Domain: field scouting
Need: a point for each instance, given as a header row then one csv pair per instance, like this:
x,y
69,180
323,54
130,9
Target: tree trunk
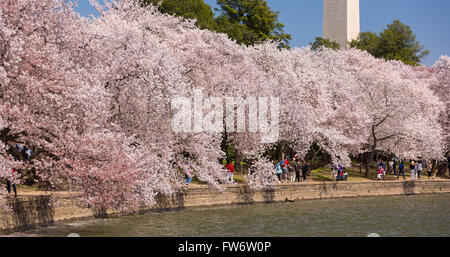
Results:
x,y
442,168
315,153
361,161
369,161
237,164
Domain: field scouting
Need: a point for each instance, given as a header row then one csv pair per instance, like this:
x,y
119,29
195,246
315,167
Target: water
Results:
x,y
415,215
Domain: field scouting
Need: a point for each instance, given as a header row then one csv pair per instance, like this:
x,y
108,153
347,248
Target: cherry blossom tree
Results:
x,y
6,162
402,110
441,87
51,100
439,76
93,97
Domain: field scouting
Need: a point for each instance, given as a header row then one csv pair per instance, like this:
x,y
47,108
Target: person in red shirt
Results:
x,y
11,181
230,171
188,175
285,166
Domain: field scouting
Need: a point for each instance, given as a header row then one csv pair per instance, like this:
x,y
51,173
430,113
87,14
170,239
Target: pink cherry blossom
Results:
x,y
92,97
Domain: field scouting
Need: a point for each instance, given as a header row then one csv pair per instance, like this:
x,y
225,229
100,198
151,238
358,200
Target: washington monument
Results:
x,y
341,21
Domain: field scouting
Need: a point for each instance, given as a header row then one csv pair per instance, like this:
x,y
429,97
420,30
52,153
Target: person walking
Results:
x,y
412,169
278,170
394,166
188,175
418,169
230,171
429,169
298,170
401,170
11,182
304,170
284,167
292,171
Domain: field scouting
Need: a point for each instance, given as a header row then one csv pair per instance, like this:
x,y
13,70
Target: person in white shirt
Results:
x,y
418,169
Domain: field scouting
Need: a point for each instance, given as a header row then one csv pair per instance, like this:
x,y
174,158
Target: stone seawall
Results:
x,y
44,210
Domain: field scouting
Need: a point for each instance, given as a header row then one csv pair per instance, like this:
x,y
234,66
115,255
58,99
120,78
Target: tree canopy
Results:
x,y
105,104
324,42
248,22
189,9
256,20
396,42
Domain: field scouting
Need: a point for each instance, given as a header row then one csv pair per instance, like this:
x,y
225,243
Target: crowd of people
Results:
x,y
287,170
24,153
291,170
415,167
338,172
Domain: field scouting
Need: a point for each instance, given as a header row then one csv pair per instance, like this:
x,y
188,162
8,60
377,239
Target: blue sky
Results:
x,y
429,19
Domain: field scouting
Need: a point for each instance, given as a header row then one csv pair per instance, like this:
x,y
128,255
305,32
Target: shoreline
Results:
x,y
61,207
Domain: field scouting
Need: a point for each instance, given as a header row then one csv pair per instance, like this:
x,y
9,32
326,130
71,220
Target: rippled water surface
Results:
x,y
415,215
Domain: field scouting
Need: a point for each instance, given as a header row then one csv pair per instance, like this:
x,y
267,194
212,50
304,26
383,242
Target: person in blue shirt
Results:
x,y
394,166
278,170
401,170
188,175
382,164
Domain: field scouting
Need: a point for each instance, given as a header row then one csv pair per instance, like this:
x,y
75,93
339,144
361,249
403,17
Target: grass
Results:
x,y
238,178
324,174
319,174
26,188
